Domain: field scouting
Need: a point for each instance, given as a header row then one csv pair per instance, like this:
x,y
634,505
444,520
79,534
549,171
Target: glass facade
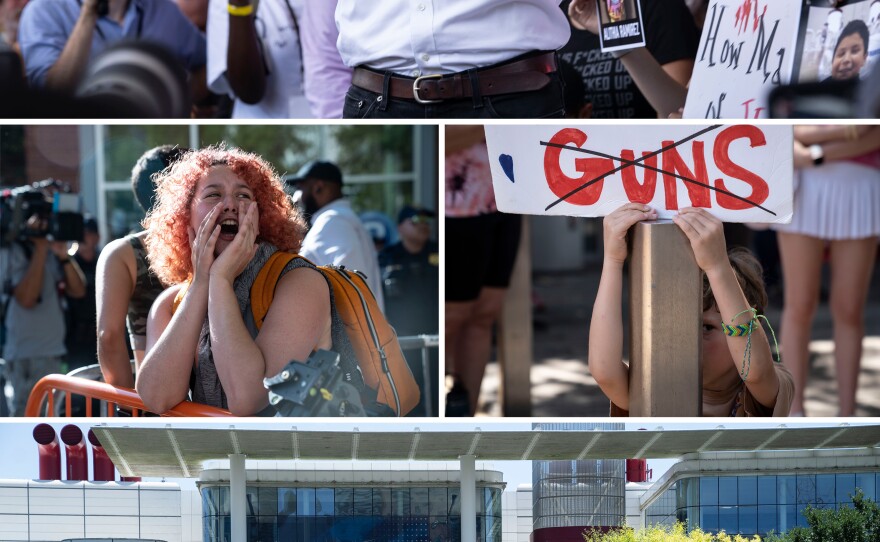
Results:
x,y
578,493
751,505
351,514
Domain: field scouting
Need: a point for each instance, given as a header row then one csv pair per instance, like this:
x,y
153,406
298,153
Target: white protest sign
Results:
x,y
739,173
745,51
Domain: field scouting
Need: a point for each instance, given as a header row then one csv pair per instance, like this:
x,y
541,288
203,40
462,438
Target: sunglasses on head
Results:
x,y
420,219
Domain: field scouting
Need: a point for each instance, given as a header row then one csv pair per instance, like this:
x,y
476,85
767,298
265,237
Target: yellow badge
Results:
x,y
434,259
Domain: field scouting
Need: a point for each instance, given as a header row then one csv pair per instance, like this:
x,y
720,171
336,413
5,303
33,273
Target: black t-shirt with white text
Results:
x,y
670,35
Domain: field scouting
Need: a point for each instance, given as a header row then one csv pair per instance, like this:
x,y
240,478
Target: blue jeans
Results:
x,y
23,374
546,102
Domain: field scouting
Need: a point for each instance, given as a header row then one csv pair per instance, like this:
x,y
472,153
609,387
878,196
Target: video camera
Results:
x,y
129,79
46,208
317,388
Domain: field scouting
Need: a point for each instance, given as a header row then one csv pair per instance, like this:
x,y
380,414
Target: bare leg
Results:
x,y
470,341
801,257
457,313
851,265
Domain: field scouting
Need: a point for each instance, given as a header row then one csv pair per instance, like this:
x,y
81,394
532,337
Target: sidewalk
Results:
x,y
562,385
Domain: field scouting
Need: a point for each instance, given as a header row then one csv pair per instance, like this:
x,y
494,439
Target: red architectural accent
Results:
x,y
49,450
565,534
77,463
636,470
102,467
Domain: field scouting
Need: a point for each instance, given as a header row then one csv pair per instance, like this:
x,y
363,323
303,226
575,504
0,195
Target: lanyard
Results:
x,y
259,22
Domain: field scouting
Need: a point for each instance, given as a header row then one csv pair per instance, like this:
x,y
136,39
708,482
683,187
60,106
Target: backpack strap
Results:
x,y
263,288
178,299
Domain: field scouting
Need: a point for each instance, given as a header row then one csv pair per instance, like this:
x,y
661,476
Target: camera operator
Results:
x,y
58,38
33,268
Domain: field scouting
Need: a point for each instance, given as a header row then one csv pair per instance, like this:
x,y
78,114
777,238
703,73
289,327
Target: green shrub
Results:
x,y
676,533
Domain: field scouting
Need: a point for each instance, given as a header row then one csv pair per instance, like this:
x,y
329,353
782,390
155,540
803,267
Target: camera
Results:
x,y
316,387
313,388
129,79
46,208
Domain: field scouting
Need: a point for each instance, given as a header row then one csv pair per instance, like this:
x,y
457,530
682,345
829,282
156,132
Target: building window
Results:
x,y
349,513
751,505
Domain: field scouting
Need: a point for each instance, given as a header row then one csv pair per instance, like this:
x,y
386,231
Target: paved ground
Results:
x,y
562,385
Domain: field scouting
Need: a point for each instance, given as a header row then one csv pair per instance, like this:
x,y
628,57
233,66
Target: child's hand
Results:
x,y
706,234
618,223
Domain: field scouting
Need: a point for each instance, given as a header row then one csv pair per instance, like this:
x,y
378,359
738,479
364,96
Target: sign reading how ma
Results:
x,y
739,173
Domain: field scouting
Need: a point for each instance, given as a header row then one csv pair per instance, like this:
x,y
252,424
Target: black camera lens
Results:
x,y
137,79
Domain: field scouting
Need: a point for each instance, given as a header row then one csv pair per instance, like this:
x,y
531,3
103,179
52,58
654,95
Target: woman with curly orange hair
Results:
x,y
220,214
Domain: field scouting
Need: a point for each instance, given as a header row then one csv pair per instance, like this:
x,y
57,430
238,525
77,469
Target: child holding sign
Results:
x,y
740,377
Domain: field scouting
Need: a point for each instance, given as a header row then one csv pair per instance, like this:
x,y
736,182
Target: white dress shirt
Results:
x,y
338,237
421,37
284,96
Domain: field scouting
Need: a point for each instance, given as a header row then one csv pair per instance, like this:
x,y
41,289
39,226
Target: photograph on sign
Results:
x,y
837,41
620,25
744,52
739,173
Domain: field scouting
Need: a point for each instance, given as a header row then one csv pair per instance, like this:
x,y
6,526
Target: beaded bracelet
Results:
x,y
745,330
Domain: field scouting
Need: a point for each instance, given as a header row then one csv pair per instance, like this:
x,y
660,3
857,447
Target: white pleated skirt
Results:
x,y
836,201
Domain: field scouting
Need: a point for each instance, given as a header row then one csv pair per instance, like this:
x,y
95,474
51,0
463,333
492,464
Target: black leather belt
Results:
x,y
524,75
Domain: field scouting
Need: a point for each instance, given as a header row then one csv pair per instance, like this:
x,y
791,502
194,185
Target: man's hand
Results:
x,y
59,249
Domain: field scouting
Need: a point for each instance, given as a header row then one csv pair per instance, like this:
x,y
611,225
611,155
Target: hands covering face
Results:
x,y
233,256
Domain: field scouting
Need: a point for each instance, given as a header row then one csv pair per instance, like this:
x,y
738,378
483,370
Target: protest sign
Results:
x,y
745,51
837,41
739,173
620,25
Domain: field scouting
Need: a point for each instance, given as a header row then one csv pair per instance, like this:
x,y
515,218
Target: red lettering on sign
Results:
x,y
639,192
674,169
560,183
760,189
674,163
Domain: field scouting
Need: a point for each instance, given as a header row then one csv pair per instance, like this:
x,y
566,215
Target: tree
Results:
x,y
859,523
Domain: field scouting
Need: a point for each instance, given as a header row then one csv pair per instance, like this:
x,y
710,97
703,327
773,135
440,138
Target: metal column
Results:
x,y
665,376
468,498
237,498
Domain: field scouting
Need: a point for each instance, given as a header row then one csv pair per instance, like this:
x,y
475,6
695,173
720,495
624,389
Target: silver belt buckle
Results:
x,y
416,89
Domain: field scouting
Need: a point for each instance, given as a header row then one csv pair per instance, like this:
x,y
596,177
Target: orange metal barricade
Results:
x,y
44,393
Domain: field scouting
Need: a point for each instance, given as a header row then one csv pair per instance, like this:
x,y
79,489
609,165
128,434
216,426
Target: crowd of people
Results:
x,y
342,58
214,217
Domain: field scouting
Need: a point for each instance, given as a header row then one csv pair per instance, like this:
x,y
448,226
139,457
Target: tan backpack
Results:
x,y
374,341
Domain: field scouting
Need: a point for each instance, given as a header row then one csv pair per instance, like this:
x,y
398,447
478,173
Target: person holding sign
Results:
x,y
740,377
661,71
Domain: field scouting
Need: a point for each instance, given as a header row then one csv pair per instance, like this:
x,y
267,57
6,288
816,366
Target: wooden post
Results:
x,y
515,350
665,375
